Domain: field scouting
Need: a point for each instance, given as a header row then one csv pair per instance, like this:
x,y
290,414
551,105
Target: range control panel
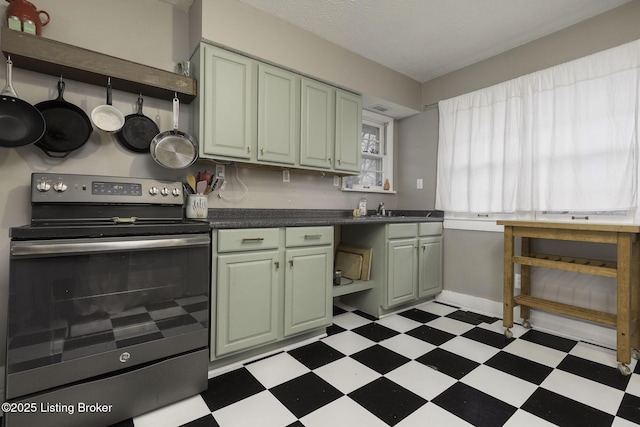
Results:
x,y
72,188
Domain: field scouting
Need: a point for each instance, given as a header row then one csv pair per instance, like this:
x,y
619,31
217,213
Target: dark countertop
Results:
x,y
255,218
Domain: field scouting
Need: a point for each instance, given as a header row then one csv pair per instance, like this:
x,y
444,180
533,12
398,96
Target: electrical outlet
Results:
x,y
419,184
219,171
336,181
285,176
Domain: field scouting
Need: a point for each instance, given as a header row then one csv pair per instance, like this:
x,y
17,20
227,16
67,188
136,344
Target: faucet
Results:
x,y
381,209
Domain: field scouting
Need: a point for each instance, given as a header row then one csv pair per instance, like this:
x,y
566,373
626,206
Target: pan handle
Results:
x,y
109,91
176,111
140,104
60,90
8,88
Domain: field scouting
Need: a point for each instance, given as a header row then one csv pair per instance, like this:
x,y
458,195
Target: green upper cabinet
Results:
x,y
227,91
278,115
348,132
318,124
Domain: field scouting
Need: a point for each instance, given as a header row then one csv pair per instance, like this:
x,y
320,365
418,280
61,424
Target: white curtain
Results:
x,y
564,138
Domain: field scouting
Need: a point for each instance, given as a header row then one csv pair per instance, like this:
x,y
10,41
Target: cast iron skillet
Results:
x,y
21,123
68,127
138,131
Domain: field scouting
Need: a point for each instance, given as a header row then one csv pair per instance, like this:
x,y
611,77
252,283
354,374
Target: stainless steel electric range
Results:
x,y
108,302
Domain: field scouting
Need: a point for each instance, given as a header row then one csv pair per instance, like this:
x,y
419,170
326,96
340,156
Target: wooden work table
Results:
x,y
625,270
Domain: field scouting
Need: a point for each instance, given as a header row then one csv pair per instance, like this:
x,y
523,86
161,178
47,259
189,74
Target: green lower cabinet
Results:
x,y
307,289
402,270
430,266
247,306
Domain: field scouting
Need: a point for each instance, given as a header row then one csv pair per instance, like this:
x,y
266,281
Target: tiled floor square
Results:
x,y
398,323
469,317
562,411
276,369
334,329
230,387
548,340
419,315
452,326
375,332
348,342
536,352
448,363
437,307
407,346
422,380
175,414
470,349
431,335
431,414
343,412
591,393
305,394
346,374
206,421
380,359
350,320
594,371
519,367
316,354
474,406
387,400
262,409
485,336
501,385
630,408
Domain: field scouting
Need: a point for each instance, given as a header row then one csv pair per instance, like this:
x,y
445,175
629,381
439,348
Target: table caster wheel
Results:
x,y
635,353
624,369
508,333
526,324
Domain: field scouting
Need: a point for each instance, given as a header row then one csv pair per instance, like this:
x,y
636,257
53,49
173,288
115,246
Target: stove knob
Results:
x,y
176,192
60,187
164,191
43,186
153,191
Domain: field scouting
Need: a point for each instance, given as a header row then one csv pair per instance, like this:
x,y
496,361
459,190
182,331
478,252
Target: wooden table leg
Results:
x,y
508,278
635,296
525,281
623,318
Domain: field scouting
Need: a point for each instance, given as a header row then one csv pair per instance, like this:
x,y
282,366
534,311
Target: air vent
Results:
x,y
380,108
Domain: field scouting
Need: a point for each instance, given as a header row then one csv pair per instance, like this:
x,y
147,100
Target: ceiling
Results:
x,y
424,39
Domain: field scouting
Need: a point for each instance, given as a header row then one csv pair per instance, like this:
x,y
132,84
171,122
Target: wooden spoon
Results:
x,y
191,180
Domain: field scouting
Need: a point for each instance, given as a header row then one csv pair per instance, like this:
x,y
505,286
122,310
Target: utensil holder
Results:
x,y
197,206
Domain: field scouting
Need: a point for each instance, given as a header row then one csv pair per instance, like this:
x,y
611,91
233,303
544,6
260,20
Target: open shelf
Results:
x,y
356,286
566,309
577,265
47,56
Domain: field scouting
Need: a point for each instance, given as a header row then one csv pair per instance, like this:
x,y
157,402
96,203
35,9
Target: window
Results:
x,y
377,155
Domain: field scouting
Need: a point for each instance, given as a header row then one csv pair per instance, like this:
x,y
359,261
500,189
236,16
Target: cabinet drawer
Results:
x,y
247,239
308,236
429,228
396,231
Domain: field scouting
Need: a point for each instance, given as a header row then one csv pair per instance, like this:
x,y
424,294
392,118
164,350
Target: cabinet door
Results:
x,y
228,119
402,270
348,132
430,266
247,300
317,133
278,94
308,289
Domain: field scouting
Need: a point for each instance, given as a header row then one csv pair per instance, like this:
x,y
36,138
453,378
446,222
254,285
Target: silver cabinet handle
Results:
x,y
312,236
252,239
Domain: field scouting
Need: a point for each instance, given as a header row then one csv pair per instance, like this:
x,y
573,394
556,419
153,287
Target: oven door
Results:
x,y
79,308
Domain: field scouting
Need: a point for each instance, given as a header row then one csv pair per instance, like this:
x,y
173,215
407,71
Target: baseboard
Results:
x,y
548,322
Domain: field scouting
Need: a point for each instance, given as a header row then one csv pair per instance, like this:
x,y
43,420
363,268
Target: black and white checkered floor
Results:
x,y
432,365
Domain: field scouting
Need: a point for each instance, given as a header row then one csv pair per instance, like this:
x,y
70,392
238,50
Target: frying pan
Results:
x,y
174,149
107,117
21,123
68,127
138,131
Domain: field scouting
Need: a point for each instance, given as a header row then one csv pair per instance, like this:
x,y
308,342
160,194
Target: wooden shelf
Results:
x,y
356,286
51,57
577,265
566,309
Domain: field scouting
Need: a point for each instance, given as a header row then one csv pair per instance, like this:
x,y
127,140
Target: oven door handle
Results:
x,y
105,245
